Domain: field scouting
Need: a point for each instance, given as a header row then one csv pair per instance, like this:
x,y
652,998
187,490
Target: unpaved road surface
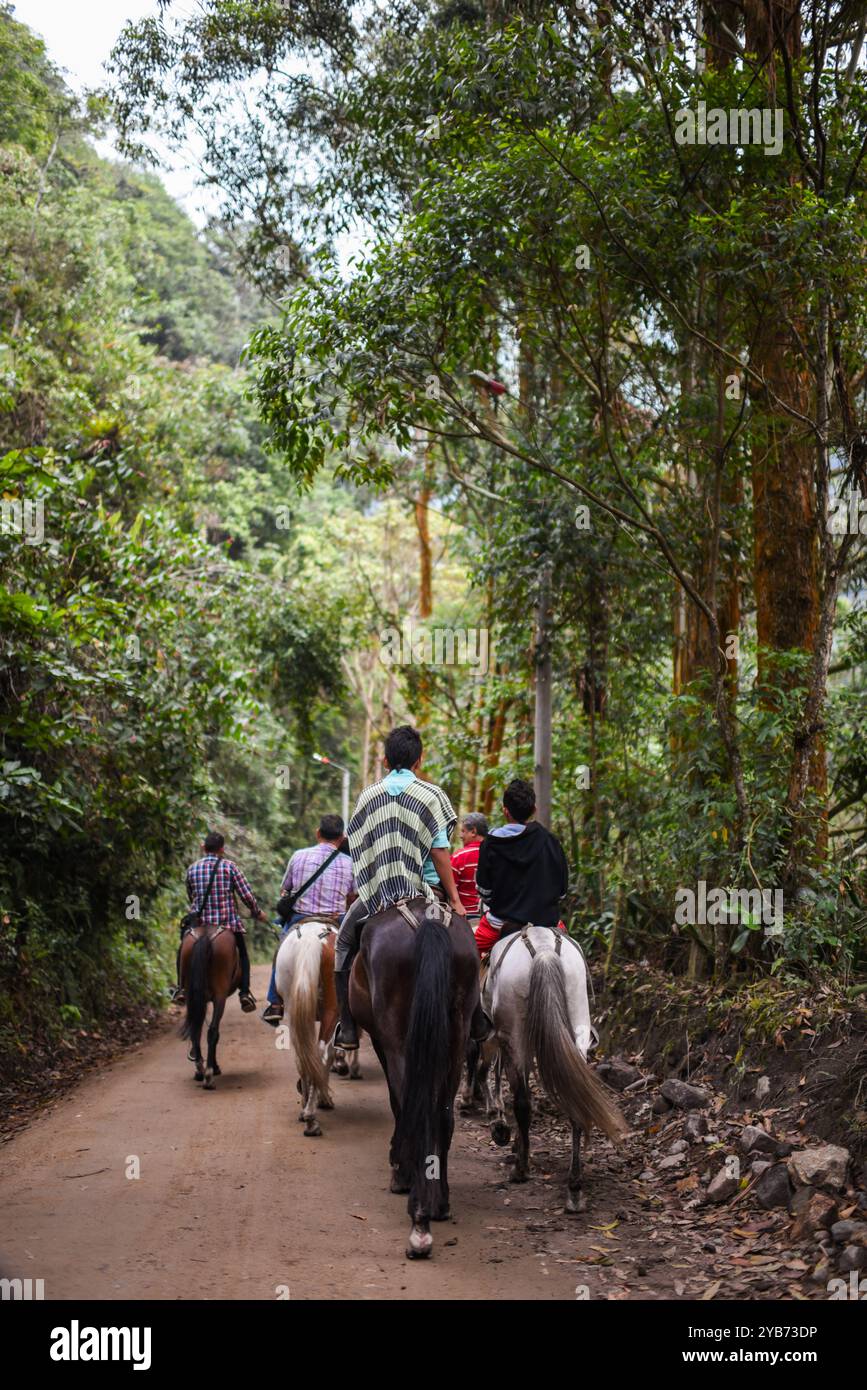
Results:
x,y
232,1202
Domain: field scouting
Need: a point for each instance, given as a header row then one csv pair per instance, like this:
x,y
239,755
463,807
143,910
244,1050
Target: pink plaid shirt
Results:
x,y
328,893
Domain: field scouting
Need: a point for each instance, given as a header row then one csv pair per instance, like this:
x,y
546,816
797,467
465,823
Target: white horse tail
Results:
x,y
564,1073
302,1001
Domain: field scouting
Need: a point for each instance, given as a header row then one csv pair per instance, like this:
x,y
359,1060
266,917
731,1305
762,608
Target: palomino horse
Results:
x,y
414,986
536,994
305,980
210,972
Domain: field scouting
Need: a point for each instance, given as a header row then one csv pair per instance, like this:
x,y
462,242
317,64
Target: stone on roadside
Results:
x,y
721,1187
694,1126
759,1166
660,1105
853,1257
850,1232
683,1095
763,1086
679,1146
673,1161
817,1213
756,1140
773,1188
822,1166
618,1074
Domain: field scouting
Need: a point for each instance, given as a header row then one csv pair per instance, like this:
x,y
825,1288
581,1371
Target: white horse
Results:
x,y
305,980
536,994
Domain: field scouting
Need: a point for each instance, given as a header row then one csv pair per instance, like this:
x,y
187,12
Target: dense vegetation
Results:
x,y
641,509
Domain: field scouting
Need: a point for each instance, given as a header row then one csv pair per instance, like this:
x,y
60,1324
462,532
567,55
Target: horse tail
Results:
x,y
302,1001
428,1051
197,987
565,1075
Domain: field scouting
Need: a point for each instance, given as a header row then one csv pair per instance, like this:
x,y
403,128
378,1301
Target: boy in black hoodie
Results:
x,y
522,872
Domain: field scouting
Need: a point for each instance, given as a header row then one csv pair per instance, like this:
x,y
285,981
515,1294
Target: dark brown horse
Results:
x,y
414,986
210,972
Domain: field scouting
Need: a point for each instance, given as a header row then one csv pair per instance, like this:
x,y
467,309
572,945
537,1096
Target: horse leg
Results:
x,y
576,1202
312,1127
354,1067
441,1207
340,1066
521,1105
400,1180
324,1098
197,1056
468,1092
211,1069
500,1130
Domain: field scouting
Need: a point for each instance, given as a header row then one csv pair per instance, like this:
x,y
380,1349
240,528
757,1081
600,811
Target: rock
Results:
x,y
849,1232
646,1175
755,1140
679,1146
816,1214
694,1126
763,1086
853,1257
660,1105
684,1096
618,1074
822,1273
823,1166
722,1187
759,1166
773,1188
674,1161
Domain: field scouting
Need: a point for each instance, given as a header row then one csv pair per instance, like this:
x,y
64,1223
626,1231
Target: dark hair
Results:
x,y
519,800
403,747
331,827
213,842
475,822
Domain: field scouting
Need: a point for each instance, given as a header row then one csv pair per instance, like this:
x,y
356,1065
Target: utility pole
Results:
x,y
542,727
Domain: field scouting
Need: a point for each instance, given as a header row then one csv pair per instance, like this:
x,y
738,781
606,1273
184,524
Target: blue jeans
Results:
x,y
273,996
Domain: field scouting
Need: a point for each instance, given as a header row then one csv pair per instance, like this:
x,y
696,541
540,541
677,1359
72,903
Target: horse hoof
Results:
x,y
575,1205
420,1245
445,1215
340,1068
199,1076
355,1076
208,1084
217,1070
518,1175
500,1133
313,1131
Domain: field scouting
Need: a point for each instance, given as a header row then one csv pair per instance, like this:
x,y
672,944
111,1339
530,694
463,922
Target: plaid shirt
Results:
x,y
328,893
220,909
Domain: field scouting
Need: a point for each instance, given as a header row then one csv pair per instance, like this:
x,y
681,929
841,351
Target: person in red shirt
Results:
x,y
473,830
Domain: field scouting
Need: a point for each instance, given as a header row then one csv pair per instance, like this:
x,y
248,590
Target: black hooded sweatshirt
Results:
x,y
523,877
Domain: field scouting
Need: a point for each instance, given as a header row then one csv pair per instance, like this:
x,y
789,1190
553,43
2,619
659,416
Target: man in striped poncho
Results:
x,y
399,842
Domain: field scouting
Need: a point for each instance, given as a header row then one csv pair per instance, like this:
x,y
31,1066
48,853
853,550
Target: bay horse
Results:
x,y
305,981
536,994
414,986
210,972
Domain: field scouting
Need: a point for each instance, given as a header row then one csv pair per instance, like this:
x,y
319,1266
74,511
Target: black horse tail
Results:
x,y
197,987
428,1053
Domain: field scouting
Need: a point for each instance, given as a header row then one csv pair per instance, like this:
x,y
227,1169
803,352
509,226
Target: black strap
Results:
x,y
313,877
201,907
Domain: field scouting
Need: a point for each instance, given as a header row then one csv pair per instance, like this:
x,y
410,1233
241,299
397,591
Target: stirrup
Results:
x,y
248,1003
344,1046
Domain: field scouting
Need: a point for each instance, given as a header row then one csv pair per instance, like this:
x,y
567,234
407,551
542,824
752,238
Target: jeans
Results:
x,y
273,996
348,938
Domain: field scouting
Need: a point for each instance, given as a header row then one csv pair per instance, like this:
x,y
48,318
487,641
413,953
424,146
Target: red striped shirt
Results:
x,y
464,864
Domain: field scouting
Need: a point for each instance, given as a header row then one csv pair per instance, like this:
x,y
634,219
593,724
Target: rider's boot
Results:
x,y
346,1036
176,994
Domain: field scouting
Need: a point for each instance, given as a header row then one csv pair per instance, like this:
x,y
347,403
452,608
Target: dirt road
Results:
x,y
233,1202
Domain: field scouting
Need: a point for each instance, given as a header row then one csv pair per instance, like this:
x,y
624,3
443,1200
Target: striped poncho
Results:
x,y
390,837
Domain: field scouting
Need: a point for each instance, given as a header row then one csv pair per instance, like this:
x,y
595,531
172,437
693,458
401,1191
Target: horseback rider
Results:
x,y
319,882
219,909
399,842
474,828
522,872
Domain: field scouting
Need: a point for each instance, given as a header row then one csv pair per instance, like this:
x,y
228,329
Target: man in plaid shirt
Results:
x,y
328,896
220,909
